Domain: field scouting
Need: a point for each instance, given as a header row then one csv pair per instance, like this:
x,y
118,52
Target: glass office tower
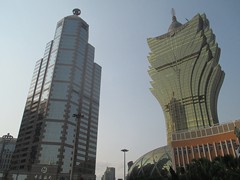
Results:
x,y
186,76
58,134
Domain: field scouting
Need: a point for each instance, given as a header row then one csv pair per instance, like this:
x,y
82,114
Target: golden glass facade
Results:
x,y
186,76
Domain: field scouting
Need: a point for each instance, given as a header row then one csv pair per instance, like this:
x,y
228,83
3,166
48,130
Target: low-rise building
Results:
x,y
218,140
7,147
210,142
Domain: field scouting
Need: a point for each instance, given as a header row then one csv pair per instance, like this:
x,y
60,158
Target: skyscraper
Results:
x,y
58,133
186,76
109,174
186,80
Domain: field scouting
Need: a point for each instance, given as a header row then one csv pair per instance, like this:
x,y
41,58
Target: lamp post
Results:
x,y
77,116
124,156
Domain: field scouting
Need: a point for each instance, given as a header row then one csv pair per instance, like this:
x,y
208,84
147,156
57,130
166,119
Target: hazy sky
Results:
x,y
130,116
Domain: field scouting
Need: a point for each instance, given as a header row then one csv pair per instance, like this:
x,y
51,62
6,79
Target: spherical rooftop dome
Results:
x,y
76,11
174,25
152,164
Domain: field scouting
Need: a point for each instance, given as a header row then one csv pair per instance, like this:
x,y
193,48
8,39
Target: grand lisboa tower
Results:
x,y
186,80
186,76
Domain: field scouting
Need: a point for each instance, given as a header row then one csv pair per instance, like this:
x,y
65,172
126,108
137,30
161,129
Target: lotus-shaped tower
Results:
x,y
186,76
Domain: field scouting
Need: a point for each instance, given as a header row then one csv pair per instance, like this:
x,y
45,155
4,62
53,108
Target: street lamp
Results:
x,y
77,116
124,155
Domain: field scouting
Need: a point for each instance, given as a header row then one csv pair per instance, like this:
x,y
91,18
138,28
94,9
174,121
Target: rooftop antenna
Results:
x,y
173,15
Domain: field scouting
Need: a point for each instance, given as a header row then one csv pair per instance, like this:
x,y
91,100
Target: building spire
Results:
x,y
173,15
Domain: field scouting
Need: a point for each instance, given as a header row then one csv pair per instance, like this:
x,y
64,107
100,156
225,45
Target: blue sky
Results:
x,y
130,117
